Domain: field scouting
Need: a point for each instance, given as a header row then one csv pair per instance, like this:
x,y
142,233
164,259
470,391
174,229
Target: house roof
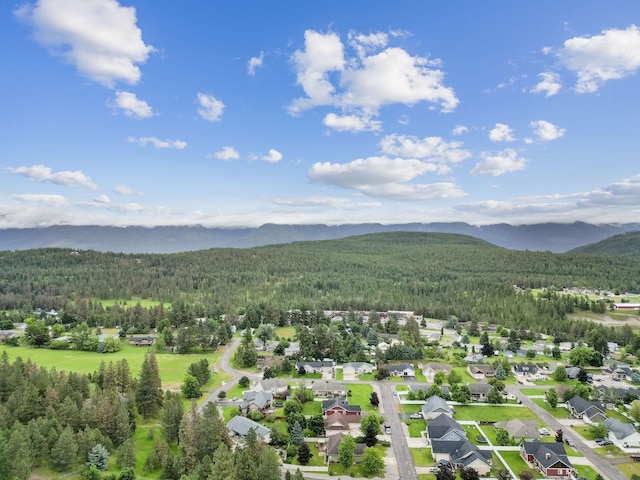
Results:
x,y
316,364
260,399
520,428
586,407
434,404
442,425
482,368
339,402
525,368
461,452
336,421
438,367
241,425
329,387
479,388
272,384
547,454
333,443
399,368
618,429
357,365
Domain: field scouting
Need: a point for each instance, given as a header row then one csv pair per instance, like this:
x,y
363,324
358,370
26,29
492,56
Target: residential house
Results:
x,y
430,369
613,347
240,426
549,458
357,368
474,358
623,435
481,371
479,391
142,340
343,423
526,429
276,386
445,428
626,306
524,370
462,453
339,406
402,370
324,367
572,372
590,411
522,353
329,389
619,373
292,350
331,449
508,354
434,406
256,401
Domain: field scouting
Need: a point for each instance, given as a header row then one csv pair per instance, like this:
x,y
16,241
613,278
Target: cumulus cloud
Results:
x,y
156,142
44,174
255,63
375,76
499,163
210,107
45,199
383,177
131,106
99,37
501,133
227,153
124,190
432,148
549,84
352,123
611,55
459,130
274,156
546,131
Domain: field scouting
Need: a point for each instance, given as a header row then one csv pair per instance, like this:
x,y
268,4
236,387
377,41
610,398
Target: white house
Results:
x,y
357,368
623,435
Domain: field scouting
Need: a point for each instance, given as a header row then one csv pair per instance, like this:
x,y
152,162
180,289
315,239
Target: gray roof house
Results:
x,y
331,449
273,385
623,435
434,406
357,368
549,458
462,453
520,428
256,400
590,411
402,370
240,426
479,391
444,427
329,389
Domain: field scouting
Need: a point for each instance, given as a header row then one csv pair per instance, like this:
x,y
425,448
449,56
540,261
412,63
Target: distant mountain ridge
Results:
x,y
554,237
619,245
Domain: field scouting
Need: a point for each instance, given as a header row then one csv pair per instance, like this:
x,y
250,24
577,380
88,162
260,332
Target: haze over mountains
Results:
x,y
554,237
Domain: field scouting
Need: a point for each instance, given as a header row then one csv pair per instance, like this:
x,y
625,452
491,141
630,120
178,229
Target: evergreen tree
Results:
x,y
222,467
187,439
18,453
304,454
370,437
191,387
98,457
297,434
374,400
63,453
552,397
494,396
172,414
126,454
149,392
210,432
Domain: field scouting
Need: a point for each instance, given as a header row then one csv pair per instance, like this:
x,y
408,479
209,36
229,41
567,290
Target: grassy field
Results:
x,y
312,408
610,451
355,471
586,471
618,416
499,413
416,428
172,367
558,412
144,302
629,468
585,432
472,434
286,332
361,395
422,457
316,460
411,408
466,378
516,462
533,391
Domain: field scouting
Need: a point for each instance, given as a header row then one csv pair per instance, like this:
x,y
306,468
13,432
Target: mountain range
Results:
x,y
553,237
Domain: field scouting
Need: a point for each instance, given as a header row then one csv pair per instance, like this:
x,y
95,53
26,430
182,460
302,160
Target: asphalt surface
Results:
x,y
602,465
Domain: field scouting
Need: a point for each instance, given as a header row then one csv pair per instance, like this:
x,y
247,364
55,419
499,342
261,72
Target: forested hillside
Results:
x,y
433,274
627,244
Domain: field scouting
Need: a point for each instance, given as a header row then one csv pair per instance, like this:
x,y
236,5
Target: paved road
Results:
x,y
224,364
602,465
406,469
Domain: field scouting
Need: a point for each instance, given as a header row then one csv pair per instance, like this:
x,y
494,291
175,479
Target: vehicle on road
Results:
x,y
544,431
569,442
387,430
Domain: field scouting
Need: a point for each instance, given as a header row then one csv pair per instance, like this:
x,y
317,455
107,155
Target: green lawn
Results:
x,y
584,432
312,408
490,433
236,391
361,395
472,434
367,377
422,457
173,367
411,408
316,460
145,303
286,332
629,468
416,428
498,413
466,378
420,376
618,416
516,462
533,391
610,451
339,374
586,471
558,412
355,471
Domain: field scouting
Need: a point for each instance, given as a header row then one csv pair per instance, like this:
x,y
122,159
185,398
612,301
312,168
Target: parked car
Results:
x,y
415,416
569,442
606,443
445,464
387,430
544,431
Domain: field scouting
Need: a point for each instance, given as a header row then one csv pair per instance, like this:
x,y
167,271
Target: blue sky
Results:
x,y
245,113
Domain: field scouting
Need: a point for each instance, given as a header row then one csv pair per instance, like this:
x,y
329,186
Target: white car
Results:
x,y
415,416
544,431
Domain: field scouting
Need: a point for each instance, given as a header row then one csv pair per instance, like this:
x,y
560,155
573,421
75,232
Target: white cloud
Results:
x,y
549,85
501,133
366,81
352,123
612,55
255,63
324,202
433,148
99,37
274,156
499,164
459,130
45,199
227,153
546,131
131,106
44,174
210,107
123,190
384,178
156,142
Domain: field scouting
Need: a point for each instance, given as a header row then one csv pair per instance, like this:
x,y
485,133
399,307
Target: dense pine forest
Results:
x,y
437,275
